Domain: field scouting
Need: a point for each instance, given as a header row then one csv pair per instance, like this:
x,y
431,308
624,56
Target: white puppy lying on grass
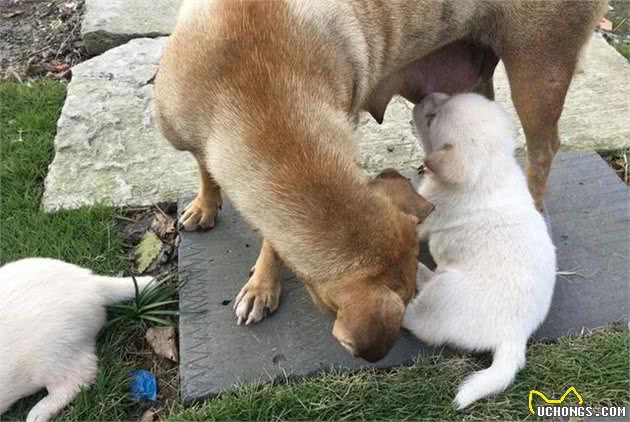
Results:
x,y
50,314
495,260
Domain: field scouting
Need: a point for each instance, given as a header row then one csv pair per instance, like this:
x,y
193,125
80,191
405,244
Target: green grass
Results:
x,y
149,303
623,49
596,365
28,115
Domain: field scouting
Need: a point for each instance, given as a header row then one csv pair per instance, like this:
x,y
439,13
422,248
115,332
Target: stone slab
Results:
x,y
589,208
597,106
110,23
107,148
109,151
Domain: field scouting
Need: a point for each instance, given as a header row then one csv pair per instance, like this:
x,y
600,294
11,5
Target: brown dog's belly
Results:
x,y
454,68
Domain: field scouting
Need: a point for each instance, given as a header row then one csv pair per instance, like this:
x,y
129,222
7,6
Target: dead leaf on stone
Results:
x,y
12,14
147,251
163,342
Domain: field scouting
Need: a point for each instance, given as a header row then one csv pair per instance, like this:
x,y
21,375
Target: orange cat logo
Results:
x,y
552,401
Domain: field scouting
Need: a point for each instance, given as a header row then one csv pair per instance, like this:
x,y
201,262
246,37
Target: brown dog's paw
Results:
x,y
199,214
259,297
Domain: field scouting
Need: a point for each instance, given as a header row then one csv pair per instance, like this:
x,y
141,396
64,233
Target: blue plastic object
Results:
x,y
143,385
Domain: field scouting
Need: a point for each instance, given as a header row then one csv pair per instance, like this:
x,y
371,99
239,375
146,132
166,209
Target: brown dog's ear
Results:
x,y
401,192
368,327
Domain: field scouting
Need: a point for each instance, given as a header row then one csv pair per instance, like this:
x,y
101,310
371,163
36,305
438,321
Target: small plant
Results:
x,y
149,303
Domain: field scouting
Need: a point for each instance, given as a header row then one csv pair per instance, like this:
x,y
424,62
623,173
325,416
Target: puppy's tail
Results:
x,y
118,289
508,359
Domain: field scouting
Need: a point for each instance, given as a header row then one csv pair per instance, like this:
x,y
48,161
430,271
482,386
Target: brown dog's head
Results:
x,y
394,186
369,308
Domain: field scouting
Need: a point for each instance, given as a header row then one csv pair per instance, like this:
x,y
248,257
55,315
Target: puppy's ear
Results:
x,y
401,192
368,325
445,165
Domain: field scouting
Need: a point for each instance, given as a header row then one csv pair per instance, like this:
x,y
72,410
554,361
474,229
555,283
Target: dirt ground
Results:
x,y
619,15
40,38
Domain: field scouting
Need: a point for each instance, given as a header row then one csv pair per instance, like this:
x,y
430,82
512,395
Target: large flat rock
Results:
x,y
109,151
589,210
110,23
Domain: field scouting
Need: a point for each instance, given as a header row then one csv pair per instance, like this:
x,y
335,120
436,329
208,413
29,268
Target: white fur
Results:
x,y
495,260
50,314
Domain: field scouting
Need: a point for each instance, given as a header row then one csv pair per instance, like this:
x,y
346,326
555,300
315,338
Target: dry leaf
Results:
x,y
148,416
12,14
163,342
163,224
147,251
605,25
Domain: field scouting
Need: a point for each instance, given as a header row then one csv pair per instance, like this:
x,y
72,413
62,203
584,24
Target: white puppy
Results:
x,y
495,260
50,314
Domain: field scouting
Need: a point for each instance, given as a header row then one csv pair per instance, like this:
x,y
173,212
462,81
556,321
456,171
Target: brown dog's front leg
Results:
x,y
201,212
261,294
538,92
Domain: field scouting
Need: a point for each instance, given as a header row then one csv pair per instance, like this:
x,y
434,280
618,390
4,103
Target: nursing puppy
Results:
x,y
495,260
264,95
50,314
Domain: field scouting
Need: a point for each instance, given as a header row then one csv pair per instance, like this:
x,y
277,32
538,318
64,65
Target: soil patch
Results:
x,y
40,38
135,224
619,161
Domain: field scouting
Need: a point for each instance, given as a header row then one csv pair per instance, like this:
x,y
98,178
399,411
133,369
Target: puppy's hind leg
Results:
x,y
432,315
261,294
58,397
201,212
65,388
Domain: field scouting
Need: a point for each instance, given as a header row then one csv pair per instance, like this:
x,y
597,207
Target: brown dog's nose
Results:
x,y
373,355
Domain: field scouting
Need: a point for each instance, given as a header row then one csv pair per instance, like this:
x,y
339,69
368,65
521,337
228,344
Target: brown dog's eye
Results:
x,y
430,118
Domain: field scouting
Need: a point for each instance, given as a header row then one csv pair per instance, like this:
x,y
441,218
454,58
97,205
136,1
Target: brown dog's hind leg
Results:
x,y
201,212
538,91
261,294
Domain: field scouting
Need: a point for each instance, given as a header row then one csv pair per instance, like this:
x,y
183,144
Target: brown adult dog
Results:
x,y
263,93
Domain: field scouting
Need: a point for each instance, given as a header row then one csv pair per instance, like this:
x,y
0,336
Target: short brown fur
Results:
x,y
263,93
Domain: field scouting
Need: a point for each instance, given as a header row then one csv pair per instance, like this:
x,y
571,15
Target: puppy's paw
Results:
x,y
259,297
200,214
464,398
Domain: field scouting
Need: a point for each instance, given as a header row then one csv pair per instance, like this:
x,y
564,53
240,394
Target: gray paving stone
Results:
x,y
110,23
588,206
108,150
